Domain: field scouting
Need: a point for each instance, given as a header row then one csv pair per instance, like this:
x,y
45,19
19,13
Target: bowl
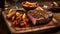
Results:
x,y
29,5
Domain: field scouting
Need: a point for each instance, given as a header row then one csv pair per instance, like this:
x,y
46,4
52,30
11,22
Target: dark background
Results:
x,y
2,4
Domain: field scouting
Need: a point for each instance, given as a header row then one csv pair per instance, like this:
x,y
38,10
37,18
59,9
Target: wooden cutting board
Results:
x,y
50,25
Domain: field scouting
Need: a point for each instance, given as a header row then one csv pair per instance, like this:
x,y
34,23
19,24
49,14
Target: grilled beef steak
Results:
x,y
39,17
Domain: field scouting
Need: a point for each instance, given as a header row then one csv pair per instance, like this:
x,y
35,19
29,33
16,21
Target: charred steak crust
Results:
x,y
39,17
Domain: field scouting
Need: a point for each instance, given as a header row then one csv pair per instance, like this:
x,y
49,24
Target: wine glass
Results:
x,y
15,2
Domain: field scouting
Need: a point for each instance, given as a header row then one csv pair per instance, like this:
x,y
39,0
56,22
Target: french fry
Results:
x,y
10,10
24,16
54,20
11,14
13,18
